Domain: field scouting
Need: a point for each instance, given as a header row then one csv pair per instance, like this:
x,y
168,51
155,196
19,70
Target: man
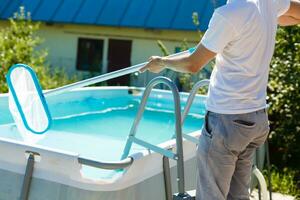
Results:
x,y
241,35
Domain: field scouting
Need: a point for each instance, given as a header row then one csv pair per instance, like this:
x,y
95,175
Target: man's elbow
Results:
x,y
288,21
198,59
193,68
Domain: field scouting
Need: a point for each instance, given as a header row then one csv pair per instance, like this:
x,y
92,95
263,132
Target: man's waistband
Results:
x,y
264,110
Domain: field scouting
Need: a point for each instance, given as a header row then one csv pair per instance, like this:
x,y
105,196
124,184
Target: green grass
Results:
x,y
285,181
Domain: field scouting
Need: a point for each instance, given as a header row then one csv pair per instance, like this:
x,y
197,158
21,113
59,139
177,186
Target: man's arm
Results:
x,y
187,64
292,16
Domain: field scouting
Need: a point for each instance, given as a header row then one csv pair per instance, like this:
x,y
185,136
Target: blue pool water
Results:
x,y
97,128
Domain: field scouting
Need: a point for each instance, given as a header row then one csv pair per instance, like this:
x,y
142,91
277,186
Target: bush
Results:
x,y
284,99
18,44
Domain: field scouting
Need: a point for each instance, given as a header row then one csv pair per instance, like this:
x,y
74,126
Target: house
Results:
x,y
105,35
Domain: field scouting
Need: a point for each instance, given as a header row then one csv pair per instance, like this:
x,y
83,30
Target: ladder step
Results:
x,y
192,193
189,195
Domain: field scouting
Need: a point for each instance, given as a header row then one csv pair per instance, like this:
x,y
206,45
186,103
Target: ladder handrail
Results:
x,y
188,105
179,149
191,97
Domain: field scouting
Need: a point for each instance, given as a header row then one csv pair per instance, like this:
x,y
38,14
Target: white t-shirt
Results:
x,y
242,33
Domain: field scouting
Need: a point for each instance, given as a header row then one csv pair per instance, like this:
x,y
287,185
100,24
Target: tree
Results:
x,y
18,44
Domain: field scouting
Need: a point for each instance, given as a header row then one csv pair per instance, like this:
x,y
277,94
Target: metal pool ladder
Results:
x,y
178,156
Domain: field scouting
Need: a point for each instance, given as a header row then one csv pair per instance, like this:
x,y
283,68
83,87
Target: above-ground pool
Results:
x,y
94,123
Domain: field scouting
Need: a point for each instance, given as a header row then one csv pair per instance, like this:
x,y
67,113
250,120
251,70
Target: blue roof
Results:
x,y
152,14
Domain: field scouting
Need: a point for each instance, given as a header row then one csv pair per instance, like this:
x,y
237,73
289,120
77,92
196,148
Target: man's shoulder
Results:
x,y
238,8
238,12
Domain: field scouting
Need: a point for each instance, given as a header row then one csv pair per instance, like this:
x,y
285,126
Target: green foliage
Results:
x,y
284,181
18,44
163,48
195,18
284,99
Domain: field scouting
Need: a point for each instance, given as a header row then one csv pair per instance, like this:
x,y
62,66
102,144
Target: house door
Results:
x,y
119,54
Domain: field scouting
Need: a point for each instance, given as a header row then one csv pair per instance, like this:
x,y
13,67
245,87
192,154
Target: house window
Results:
x,y
89,54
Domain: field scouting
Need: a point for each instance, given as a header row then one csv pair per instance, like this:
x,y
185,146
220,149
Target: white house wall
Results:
x,y
61,42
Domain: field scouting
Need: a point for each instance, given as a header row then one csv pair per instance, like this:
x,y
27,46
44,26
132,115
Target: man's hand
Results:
x,y
155,65
292,16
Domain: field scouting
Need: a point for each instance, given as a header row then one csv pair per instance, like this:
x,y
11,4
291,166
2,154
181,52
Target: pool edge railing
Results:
x,y
122,164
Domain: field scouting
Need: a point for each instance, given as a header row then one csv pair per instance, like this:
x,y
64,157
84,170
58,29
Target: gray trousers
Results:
x,y
225,153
